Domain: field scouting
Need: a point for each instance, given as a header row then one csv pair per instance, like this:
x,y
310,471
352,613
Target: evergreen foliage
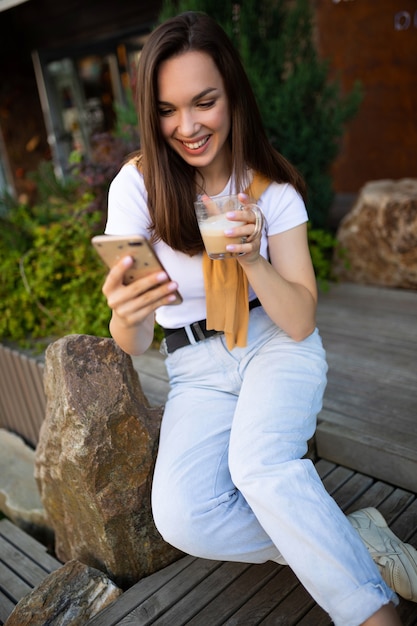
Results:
x,y
304,112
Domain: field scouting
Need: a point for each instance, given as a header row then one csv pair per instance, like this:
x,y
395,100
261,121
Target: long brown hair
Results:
x,y
169,180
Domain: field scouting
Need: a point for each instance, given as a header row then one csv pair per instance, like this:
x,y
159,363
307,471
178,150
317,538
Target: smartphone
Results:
x,y
112,248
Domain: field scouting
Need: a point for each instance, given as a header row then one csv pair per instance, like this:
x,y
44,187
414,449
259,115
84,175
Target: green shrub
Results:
x,y
50,277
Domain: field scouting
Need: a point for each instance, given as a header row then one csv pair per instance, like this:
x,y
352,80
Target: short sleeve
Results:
x,y
283,208
127,204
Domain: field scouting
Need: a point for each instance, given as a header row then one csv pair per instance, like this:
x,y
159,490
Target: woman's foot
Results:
x,y
396,560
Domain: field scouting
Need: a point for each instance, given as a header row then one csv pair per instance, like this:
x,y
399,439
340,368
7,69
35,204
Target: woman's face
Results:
x,y
194,111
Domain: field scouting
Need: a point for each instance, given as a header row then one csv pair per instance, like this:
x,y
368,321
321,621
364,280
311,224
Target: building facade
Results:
x,y
63,66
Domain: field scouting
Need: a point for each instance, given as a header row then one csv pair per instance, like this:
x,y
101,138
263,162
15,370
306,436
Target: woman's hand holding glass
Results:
x,y
251,233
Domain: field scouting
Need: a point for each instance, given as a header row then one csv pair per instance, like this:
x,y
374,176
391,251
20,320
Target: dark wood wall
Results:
x,y
51,24
374,41
53,27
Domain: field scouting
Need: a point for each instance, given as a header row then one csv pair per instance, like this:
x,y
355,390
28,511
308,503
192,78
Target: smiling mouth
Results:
x,y
197,144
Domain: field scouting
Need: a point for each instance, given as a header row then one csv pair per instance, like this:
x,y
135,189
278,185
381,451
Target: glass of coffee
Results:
x,y
212,220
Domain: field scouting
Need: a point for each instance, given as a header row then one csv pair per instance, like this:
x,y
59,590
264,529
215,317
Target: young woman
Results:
x,y
230,481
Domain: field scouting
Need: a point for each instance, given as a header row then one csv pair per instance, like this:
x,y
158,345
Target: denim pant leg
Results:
x,y
196,506
256,499
280,397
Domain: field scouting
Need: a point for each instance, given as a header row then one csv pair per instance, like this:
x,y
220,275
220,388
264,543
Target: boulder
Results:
x,y
19,495
95,459
69,597
378,237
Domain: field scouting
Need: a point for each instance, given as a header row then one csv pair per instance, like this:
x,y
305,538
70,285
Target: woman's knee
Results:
x,y
177,521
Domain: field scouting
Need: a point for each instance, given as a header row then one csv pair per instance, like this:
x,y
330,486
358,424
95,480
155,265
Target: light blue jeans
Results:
x,y
230,482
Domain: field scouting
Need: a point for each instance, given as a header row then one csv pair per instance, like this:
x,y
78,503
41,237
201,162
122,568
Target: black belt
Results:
x,y
193,333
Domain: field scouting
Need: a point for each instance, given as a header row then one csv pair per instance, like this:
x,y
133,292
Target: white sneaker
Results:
x,y
396,561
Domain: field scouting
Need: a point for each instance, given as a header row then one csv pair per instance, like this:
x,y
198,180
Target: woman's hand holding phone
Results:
x,y
137,283
134,302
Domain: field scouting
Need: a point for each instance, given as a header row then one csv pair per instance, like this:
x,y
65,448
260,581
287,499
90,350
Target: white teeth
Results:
x,y
196,145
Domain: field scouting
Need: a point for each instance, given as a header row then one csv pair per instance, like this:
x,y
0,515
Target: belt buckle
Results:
x,y
197,331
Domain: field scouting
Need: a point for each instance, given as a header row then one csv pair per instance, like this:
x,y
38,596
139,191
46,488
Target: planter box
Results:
x,y
22,396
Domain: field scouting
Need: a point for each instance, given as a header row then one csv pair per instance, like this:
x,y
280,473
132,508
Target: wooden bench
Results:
x,y
200,592
24,563
368,424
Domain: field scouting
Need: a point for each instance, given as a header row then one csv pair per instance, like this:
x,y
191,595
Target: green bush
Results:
x,y
50,277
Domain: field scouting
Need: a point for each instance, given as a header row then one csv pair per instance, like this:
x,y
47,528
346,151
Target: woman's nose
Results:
x,y
188,125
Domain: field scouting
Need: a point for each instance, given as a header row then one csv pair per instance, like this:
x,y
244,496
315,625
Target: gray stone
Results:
x,y
68,597
378,237
19,496
95,459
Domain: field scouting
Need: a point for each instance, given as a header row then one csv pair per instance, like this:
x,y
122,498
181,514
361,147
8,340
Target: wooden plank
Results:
x,y
141,591
157,604
366,450
291,609
6,607
197,599
357,485
371,406
24,563
27,545
315,617
30,572
337,478
12,584
231,599
258,607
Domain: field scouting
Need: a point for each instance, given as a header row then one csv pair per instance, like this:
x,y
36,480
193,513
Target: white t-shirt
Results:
x,y
128,214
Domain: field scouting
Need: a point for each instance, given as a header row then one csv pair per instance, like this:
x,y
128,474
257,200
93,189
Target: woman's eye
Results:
x,y
207,104
165,112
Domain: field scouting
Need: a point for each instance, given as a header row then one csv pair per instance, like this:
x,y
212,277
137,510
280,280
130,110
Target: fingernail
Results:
x,y
162,276
127,260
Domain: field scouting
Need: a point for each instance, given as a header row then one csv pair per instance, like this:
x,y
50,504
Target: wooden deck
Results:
x,y
24,563
369,418
198,592
367,441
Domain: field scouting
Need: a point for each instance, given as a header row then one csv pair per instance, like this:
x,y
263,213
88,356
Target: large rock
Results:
x,y
69,597
19,496
95,459
378,237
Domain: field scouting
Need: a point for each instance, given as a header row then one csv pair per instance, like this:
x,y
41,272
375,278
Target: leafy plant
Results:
x,y
50,276
53,287
322,245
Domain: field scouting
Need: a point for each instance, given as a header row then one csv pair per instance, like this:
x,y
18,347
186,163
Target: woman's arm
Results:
x,y
287,285
133,306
